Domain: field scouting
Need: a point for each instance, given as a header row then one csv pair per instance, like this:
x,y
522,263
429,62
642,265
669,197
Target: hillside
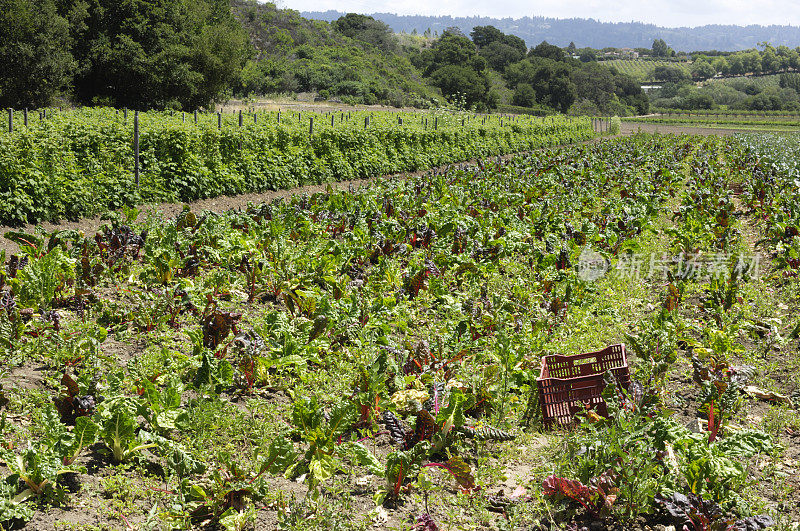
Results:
x,y
589,32
294,54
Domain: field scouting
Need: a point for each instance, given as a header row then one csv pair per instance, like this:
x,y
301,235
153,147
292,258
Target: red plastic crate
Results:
x,y
568,384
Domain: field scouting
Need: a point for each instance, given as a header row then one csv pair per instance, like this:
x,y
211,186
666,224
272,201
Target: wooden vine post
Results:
x,y
136,147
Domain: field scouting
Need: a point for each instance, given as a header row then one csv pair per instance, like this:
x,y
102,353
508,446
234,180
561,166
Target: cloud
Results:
x,y
670,13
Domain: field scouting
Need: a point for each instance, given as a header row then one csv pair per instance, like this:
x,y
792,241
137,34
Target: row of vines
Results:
x,y
78,163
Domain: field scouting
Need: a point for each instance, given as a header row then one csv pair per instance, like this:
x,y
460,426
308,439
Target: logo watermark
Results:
x,y
697,266
592,265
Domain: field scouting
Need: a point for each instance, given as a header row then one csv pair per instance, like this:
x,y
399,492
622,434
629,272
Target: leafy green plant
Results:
x,y
162,408
710,468
38,467
43,279
118,429
322,434
401,466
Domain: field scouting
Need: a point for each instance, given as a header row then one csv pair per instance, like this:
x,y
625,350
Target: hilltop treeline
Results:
x,y
186,54
590,32
355,58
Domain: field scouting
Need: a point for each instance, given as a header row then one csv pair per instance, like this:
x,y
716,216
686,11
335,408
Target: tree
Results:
x,y
455,67
37,64
367,29
485,35
517,43
499,55
549,79
548,51
159,53
751,61
607,90
660,48
720,65
670,74
450,49
524,95
702,70
595,83
735,65
457,80
790,80
770,62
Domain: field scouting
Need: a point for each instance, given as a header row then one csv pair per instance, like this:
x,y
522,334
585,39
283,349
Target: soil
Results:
x,y
633,128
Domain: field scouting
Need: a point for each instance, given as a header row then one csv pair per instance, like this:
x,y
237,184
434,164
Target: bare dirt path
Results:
x,y
633,128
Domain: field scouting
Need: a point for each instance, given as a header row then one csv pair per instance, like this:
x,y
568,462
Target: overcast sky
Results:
x,y
670,13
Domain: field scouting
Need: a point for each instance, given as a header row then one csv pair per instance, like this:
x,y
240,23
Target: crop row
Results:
x,y
384,343
416,306
60,166
723,120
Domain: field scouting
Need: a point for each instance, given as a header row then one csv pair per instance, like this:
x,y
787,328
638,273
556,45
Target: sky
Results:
x,y
669,13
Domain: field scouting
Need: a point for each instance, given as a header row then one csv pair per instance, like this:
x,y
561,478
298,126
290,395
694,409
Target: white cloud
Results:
x,y
671,13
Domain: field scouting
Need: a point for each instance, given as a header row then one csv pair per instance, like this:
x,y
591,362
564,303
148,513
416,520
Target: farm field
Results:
x,y
368,358
728,113
80,163
741,122
642,70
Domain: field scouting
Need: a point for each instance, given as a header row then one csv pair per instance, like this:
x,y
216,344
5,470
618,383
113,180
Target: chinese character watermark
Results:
x,y
696,266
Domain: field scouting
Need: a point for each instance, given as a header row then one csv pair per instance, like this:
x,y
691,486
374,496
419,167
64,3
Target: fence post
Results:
x,y
279,116
311,126
255,117
332,118
240,119
435,123
219,120
183,116
366,121
10,120
195,116
136,147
